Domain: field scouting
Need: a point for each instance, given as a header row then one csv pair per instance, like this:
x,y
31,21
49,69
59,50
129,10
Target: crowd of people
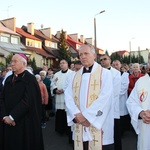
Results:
x,y
94,104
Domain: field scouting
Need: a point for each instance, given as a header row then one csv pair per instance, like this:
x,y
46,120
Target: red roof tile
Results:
x,y
39,33
73,43
25,34
40,51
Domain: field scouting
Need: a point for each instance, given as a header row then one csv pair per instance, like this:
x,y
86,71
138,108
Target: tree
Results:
x,y
8,58
64,52
126,59
115,56
106,52
141,59
33,63
2,65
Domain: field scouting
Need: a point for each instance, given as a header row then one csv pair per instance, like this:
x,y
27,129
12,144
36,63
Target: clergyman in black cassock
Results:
x,y
20,110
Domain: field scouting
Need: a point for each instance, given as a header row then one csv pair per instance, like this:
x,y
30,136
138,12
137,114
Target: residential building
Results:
x,y
36,43
10,41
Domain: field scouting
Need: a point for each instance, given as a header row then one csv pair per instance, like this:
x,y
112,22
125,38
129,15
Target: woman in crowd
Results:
x,y
136,74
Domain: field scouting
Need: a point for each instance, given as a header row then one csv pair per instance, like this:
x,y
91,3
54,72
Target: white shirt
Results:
x,y
123,94
116,91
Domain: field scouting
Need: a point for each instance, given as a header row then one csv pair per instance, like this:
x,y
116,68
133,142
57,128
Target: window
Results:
x,y
37,44
30,43
15,40
4,37
54,45
33,43
47,44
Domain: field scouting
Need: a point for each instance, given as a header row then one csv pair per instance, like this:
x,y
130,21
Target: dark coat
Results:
x,y
21,100
1,85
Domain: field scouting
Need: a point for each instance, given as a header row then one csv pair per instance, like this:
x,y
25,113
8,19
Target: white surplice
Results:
x,y
116,91
139,100
59,82
123,96
103,103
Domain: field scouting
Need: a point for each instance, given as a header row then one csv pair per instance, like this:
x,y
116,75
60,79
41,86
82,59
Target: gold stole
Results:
x,y
92,95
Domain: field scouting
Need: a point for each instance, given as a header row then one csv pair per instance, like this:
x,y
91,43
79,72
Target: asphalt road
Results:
x,y
53,141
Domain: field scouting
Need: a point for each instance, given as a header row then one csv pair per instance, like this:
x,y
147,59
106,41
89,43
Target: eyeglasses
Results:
x,y
103,59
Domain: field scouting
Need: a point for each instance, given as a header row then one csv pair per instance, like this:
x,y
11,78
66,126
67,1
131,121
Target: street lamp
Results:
x,y
130,50
95,30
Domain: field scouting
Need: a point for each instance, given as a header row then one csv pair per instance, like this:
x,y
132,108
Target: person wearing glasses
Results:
x,y
105,61
89,104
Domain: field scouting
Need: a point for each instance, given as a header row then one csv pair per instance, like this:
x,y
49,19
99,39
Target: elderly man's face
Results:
x,y
86,56
18,65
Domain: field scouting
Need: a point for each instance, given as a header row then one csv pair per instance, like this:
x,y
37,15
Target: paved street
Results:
x,y
54,141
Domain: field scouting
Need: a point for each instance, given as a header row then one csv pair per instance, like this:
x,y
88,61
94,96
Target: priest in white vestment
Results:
x,y
58,86
123,96
138,105
106,63
89,104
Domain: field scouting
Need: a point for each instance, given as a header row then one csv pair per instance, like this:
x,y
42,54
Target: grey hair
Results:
x,y
136,64
38,76
92,49
44,72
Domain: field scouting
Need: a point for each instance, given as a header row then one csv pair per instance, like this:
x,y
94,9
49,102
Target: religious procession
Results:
x,y
92,105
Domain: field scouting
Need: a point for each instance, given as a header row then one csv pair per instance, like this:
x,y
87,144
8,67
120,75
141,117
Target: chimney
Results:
x,y
30,28
82,39
10,23
89,40
74,36
47,32
58,34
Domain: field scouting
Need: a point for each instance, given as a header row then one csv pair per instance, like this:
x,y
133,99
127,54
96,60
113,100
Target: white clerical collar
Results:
x,y
16,75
